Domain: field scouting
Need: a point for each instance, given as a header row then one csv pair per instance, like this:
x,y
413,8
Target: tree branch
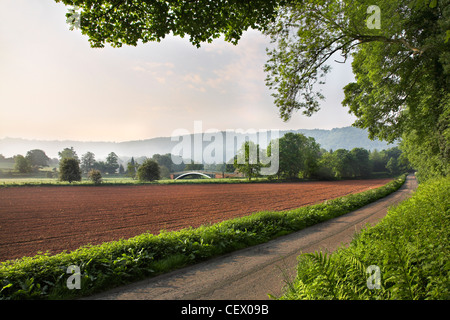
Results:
x,y
365,38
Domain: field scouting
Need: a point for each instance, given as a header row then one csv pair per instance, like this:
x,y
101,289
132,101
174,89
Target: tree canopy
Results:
x,y
248,159
148,171
68,153
37,158
298,154
69,170
119,22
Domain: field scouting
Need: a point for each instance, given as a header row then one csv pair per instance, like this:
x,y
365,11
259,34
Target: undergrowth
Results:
x,y
115,263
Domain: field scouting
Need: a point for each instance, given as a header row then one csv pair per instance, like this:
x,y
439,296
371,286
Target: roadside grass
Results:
x,y
42,181
116,181
116,263
410,246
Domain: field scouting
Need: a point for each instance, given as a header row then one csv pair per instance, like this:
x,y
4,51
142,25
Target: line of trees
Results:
x,y
300,157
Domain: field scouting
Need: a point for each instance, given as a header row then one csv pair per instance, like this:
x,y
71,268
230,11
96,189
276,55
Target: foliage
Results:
x,y
112,163
423,154
148,171
166,160
101,166
95,176
131,168
247,160
360,163
22,164
410,246
69,170
87,162
123,22
194,166
37,158
68,153
298,155
115,263
401,68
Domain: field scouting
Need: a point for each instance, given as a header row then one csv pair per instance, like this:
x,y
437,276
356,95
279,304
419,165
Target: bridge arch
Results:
x,y
192,173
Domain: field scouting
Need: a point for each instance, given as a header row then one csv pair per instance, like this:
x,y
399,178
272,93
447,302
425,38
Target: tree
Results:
x,y
402,68
164,172
164,160
101,166
311,156
131,168
112,163
392,166
342,165
324,170
247,160
22,164
123,22
95,176
69,170
298,155
361,165
148,171
194,166
37,158
291,157
87,162
68,153
377,162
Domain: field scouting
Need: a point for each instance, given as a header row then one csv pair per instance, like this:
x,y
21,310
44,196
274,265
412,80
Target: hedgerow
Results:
x,y
115,263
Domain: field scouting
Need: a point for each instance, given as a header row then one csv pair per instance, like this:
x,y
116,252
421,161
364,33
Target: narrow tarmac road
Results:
x,y
255,272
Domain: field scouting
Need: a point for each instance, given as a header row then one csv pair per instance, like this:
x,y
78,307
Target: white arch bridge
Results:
x,y
206,174
182,175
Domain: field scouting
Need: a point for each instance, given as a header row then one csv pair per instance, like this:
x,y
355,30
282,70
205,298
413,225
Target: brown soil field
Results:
x,y
58,218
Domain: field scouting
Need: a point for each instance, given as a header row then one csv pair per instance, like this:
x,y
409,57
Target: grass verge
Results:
x,y
408,251
116,263
48,182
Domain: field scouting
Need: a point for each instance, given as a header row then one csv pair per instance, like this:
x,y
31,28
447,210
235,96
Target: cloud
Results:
x,y
157,70
194,81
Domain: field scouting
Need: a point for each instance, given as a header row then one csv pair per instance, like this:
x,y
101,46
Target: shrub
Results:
x,y
95,176
148,171
69,170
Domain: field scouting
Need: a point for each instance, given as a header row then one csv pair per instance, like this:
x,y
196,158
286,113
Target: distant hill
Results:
x,y
346,138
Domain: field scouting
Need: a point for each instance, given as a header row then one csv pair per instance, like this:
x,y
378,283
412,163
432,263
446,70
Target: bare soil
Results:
x,y
59,218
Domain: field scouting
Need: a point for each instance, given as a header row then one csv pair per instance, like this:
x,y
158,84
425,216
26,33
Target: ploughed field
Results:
x,y
58,218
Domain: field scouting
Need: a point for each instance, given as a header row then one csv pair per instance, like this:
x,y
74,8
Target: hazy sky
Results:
x,y
54,86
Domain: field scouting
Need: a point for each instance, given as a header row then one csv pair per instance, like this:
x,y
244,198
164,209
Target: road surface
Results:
x,y
255,272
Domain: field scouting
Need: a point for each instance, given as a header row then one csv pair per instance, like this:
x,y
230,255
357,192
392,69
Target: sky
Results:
x,y
54,86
